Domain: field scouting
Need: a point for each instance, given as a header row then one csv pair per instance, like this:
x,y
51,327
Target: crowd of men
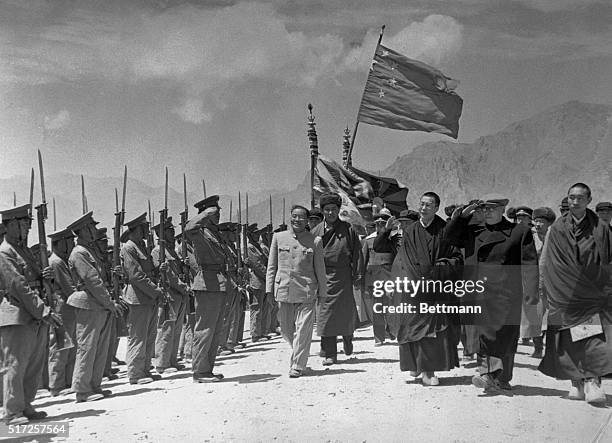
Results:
x,y
546,276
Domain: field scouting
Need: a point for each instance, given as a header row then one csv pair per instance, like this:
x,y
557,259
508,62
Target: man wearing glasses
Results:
x,y
502,256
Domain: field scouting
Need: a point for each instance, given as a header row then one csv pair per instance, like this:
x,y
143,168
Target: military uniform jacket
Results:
x,y
209,255
176,286
257,263
139,274
63,284
296,267
91,292
20,304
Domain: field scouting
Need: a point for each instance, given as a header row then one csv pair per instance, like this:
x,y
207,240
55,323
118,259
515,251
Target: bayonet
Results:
x,y
204,187
54,216
63,339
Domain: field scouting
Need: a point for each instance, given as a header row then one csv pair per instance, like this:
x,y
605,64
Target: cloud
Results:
x,y
559,5
192,111
433,40
57,121
560,47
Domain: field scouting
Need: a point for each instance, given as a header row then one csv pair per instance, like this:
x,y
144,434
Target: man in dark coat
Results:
x,y
502,257
337,311
428,340
576,269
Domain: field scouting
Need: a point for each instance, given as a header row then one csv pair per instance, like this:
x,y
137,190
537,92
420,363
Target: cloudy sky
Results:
x,y
218,89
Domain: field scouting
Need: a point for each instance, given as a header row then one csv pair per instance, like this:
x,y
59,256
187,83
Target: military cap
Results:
x,y
85,219
252,228
201,220
101,233
449,210
364,206
168,224
16,213
330,198
141,219
494,200
208,202
383,215
564,203
524,210
282,227
61,234
545,213
408,214
603,206
316,213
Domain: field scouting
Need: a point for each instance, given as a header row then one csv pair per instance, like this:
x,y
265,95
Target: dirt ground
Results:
x,y
363,398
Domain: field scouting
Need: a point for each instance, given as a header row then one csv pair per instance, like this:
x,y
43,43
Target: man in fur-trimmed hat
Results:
x,y
337,311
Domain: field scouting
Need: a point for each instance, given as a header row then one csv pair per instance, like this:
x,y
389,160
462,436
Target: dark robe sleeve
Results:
x,y
384,243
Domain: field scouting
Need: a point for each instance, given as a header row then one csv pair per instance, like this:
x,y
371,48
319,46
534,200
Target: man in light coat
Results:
x,y
295,277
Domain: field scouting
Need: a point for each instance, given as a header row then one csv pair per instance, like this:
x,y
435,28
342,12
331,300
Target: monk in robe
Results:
x,y
337,311
577,274
428,341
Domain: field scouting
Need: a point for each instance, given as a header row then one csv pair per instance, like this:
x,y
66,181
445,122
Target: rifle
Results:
x,y
168,313
186,277
61,336
119,219
242,253
150,239
83,197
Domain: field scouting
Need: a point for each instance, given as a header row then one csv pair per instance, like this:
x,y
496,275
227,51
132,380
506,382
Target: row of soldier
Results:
x,y
176,303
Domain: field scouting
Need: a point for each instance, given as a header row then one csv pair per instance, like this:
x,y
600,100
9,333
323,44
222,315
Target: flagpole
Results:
x,y
314,153
350,153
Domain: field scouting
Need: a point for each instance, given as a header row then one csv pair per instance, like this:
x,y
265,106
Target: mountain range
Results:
x,y
532,162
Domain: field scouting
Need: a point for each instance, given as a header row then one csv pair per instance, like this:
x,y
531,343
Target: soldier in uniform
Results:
x,y
257,263
23,319
61,362
169,332
231,312
93,310
143,296
209,287
377,267
101,251
186,337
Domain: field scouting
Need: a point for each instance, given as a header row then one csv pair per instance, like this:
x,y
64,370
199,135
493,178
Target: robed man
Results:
x,y
577,275
337,311
428,340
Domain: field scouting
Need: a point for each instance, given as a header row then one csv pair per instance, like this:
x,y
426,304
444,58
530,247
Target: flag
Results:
x,y
409,95
356,186
392,192
331,177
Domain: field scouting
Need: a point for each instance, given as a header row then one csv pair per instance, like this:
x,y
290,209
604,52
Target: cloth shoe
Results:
x,y
82,398
141,381
486,382
430,380
207,378
329,361
592,391
295,373
576,392
16,420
